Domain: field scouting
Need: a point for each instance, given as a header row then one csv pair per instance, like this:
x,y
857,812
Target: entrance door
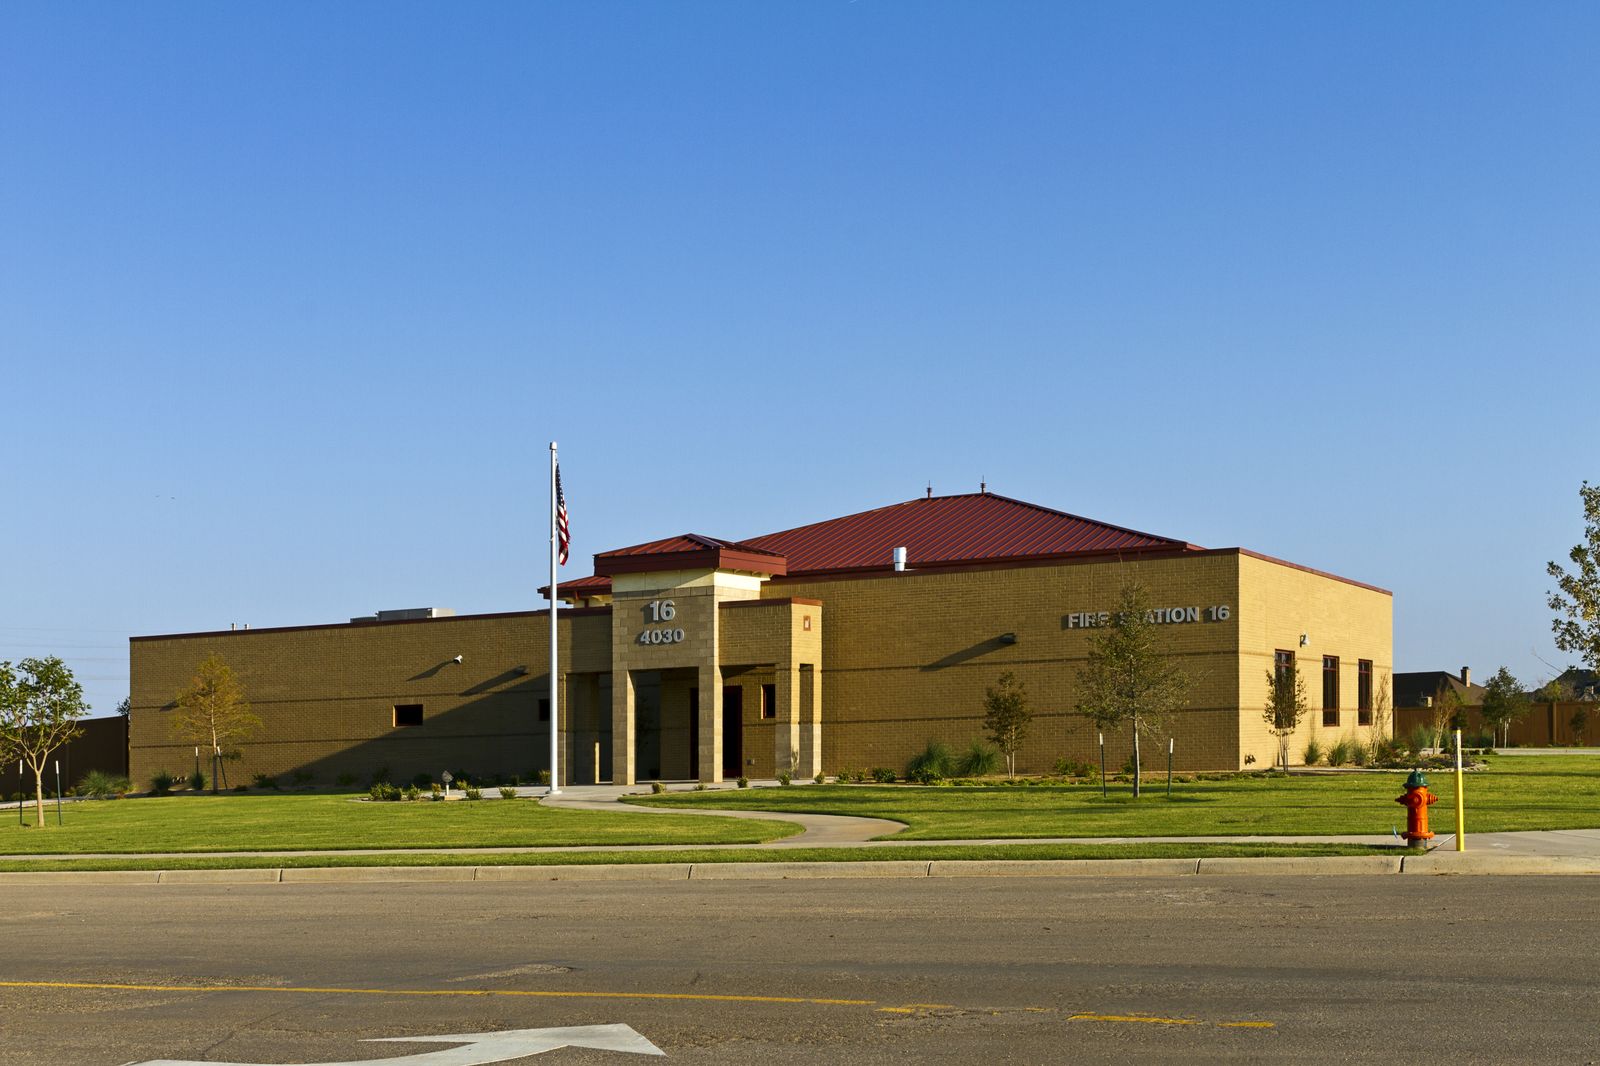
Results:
x,y
732,731
694,734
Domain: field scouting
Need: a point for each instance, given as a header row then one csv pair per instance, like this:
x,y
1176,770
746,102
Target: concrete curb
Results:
x,y
1064,867
1485,862
1436,863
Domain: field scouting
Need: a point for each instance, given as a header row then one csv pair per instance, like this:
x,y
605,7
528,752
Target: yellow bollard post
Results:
x,y
1461,800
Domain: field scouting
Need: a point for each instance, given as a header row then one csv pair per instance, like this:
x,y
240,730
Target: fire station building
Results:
x,y
846,643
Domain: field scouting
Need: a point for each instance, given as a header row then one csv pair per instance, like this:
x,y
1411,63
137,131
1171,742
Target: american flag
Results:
x,y
563,534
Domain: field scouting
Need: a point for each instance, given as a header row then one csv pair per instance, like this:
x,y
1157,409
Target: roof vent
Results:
x,y
899,560
407,614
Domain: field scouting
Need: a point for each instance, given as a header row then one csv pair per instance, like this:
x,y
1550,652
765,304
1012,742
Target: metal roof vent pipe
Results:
x,y
899,560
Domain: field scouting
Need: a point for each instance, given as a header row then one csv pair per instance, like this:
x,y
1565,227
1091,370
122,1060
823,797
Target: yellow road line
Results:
x,y
528,993
695,997
1132,1018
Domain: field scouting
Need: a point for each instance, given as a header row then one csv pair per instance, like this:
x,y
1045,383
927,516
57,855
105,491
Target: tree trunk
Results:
x,y
38,793
1135,758
1283,751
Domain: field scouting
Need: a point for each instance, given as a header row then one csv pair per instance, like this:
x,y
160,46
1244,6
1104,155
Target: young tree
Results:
x,y
1503,702
40,704
1577,604
1286,707
1129,677
1446,708
1382,711
212,708
1006,717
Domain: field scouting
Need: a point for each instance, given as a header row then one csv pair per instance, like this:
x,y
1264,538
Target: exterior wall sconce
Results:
x,y
1008,638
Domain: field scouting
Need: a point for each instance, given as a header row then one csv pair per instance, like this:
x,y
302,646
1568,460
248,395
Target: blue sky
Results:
x,y
293,296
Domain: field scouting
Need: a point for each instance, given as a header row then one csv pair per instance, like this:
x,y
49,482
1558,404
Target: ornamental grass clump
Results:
x,y
931,765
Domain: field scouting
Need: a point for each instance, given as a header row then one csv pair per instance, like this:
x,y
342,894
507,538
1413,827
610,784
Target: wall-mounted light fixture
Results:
x,y
1305,638
457,660
1008,638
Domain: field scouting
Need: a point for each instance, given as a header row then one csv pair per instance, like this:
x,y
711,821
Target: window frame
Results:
x,y
1330,691
1363,691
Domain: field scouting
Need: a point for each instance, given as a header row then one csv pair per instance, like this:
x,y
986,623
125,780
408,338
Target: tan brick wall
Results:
x,y
326,695
908,657
1280,602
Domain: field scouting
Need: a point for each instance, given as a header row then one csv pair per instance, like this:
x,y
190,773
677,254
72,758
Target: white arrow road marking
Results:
x,y
480,1048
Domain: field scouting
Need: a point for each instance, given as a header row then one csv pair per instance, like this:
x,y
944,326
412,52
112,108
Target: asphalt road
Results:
x,y
1388,969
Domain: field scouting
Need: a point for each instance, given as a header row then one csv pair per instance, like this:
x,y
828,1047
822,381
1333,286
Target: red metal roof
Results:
x,y
937,531
687,542
979,527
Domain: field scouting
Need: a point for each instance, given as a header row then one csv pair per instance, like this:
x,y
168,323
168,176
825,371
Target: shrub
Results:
x,y
1342,753
544,777
699,786
435,792
883,775
197,781
979,760
383,791
818,779
744,782
472,793
346,780
161,782
1313,752
657,787
422,780
413,793
380,775
784,778
97,784
847,775
1068,767
263,781
931,765
508,792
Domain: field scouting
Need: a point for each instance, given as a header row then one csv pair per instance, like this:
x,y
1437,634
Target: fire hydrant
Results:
x,y
1417,800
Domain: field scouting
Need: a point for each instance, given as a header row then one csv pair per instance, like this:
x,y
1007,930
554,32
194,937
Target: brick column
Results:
x,y
786,726
810,713
708,760
622,727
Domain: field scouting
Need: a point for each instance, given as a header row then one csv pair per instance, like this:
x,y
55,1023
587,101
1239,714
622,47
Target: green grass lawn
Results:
x,y
262,822
1523,792
920,853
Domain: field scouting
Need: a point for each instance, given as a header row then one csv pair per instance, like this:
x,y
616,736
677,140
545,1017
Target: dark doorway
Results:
x,y
694,733
732,731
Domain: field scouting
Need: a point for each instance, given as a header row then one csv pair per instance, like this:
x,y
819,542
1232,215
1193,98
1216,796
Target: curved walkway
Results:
x,y
816,830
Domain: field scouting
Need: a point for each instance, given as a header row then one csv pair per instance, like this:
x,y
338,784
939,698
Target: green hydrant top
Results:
x,y
1416,780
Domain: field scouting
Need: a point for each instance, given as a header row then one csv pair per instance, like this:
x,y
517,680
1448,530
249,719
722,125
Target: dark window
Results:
x,y
1330,690
769,701
1363,691
407,714
544,710
1282,662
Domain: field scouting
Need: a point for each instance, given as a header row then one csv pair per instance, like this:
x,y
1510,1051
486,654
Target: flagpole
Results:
x,y
555,684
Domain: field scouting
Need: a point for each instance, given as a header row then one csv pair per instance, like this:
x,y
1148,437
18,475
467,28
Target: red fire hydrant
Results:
x,y
1417,800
